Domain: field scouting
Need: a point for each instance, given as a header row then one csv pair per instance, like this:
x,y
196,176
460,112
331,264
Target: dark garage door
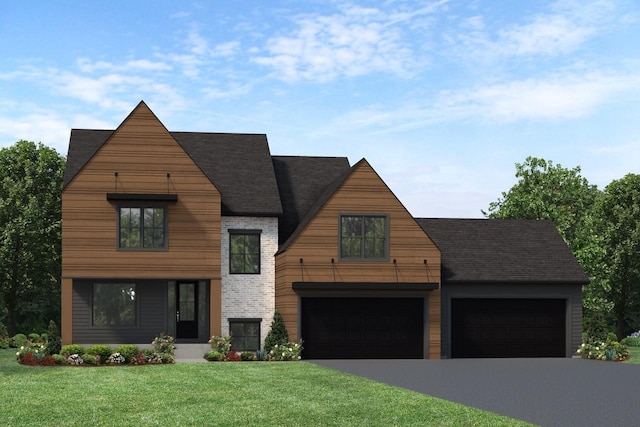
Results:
x,y
362,328
507,327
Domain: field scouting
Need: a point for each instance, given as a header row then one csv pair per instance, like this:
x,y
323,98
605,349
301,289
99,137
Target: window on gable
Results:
x,y
244,251
114,304
245,334
364,237
142,228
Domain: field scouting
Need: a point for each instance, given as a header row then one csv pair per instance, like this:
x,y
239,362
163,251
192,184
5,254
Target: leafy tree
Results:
x,y
278,333
617,227
548,191
564,196
30,234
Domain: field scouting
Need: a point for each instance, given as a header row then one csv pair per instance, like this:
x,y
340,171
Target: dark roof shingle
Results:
x,y
494,250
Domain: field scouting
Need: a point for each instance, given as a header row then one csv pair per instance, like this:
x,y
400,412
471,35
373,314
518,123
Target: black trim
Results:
x,y
364,286
142,197
244,319
244,231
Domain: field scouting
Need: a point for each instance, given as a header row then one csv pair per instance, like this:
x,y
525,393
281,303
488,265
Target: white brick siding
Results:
x,y
250,295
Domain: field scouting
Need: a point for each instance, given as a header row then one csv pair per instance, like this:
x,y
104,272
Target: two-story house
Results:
x,y
198,234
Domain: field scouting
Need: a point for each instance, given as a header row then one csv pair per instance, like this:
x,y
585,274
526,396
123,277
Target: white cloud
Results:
x,y
88,66
354,42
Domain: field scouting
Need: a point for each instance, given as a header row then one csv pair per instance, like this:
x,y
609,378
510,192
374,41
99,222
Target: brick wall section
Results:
x,y
250,295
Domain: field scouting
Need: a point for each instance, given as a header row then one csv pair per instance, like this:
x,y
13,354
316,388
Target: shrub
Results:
x,y
100,350
603,350
233,356
70,349
116,359
167,358
31,354
287,351
278,334
4,343
221,343
164,344
59,359
3,331
261,355
75,359
128,351
632,340
214,356
248,356
54,343
90,359
18,340
139,359
151,357
44,337
34,337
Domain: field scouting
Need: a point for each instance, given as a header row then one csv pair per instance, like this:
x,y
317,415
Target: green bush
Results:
x,y
18,340
70,349
278,334
286,352
261,355
33,336
221,343
59,359
128,351
248,356
631,342
89,359
100,350
54,343
164,344
4,343
44,336
610,349
214,356
166,358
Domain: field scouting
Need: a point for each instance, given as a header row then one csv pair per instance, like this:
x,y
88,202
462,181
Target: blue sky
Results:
x,y
441,97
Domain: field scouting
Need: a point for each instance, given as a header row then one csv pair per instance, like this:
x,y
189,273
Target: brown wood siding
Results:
x,y
142,152
362,193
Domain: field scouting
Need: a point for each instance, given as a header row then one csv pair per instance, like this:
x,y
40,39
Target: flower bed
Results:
x,y
35,353
221,352
610,349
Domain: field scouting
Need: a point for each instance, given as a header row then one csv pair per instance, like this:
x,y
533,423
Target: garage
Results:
x,y
508,327
362,328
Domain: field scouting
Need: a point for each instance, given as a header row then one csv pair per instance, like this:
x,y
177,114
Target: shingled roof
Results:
x,y
301,182
507,251
239,165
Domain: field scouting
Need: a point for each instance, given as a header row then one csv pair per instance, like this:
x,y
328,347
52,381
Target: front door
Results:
x,y
187,310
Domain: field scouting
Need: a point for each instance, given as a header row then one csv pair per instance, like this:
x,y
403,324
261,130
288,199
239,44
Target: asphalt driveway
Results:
x,y
547,392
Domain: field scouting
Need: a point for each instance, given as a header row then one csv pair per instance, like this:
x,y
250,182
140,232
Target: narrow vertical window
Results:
x,y
244,252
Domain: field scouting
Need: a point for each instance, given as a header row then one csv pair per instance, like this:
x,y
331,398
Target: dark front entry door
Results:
x,y
187,310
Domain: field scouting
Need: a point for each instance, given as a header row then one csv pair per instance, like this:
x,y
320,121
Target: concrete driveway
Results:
x,y
547,392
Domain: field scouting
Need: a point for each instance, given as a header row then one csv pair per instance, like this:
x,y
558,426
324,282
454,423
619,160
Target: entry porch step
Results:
x,y
191,352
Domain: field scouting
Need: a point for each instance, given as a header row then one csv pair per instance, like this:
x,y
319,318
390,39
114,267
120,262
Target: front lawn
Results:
x,y
231,393
635,355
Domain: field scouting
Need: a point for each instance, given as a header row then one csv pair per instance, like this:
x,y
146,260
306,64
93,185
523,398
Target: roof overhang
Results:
x,y
364,286
142,197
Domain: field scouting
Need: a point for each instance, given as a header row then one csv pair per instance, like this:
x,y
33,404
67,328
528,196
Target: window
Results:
x,y
244,251
245,334
142,228
363,237
114,304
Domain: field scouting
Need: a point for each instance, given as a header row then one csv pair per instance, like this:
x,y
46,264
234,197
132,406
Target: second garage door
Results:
x,y
362,328
484,327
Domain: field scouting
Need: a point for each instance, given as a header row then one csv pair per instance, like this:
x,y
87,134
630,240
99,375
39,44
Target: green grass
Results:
x,y
635,355
197,394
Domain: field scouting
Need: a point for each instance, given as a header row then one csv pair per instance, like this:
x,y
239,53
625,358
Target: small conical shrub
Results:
x,y
277,334
54,343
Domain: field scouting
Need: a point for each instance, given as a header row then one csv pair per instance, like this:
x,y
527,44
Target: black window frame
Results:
x,y
363,256
245,233
135,299
141,226
245,322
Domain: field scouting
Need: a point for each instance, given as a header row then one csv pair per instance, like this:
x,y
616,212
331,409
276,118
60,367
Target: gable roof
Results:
x,y
503,250
239,165
302,181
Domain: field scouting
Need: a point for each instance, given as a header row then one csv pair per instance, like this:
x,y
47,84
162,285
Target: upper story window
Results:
x,y
142,227
364,237
244,251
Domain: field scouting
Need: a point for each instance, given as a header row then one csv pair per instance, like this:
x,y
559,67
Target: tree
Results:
x,y
564,196
617,227
30,234
548,191
278,333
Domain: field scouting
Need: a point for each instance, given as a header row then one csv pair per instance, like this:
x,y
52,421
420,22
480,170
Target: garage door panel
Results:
x,y
507,327
373,328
